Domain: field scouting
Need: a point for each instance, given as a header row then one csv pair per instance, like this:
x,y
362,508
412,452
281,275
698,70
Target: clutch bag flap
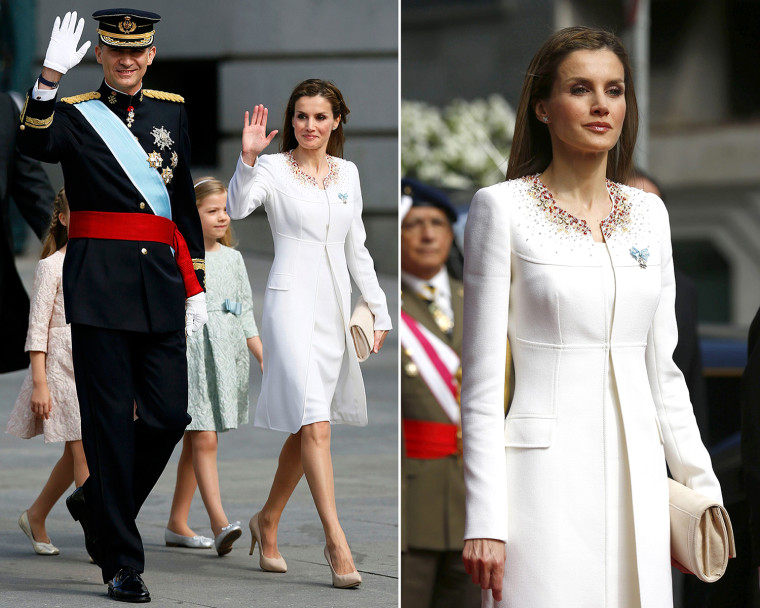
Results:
x,y
362,328
701,536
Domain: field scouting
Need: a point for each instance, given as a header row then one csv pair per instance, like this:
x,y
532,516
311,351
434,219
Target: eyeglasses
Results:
x,y
419,225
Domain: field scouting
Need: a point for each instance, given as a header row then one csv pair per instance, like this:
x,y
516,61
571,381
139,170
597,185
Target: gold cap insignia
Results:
x,y
127,26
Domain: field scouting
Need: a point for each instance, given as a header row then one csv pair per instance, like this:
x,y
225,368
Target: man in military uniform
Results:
x,y
133,274
432,478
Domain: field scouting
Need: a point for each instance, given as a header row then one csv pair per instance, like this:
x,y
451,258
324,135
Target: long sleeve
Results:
x,y
48,134
46,279
248,189
750,434
487,262
686,455
27,182
184,209
247,320
360,262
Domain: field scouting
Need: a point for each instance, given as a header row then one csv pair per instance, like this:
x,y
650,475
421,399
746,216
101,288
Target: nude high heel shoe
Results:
x,y
268,564
343,581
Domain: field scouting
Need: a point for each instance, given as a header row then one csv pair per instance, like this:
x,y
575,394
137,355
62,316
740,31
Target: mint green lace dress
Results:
x,y
218,359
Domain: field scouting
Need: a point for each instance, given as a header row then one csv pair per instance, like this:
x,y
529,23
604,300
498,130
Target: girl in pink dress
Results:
x,y
47,404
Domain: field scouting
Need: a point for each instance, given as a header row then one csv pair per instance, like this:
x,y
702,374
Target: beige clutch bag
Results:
x,y
362,328
701,536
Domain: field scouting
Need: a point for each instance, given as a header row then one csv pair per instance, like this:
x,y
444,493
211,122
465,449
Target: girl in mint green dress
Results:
x,y
218,363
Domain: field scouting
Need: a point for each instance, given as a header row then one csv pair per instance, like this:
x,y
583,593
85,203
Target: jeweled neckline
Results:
x,y
305,178
618,217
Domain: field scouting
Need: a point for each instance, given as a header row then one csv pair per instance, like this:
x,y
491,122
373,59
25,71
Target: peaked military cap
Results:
x,y
126,27
423,195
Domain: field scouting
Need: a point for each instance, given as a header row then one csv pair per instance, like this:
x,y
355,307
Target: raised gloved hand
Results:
x,y
62,53
195,313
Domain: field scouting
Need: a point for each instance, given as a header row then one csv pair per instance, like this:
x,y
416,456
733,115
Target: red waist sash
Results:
x,y
137,227
427,440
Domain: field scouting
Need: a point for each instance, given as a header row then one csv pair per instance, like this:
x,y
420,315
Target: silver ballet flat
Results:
x,y
191,542
229,534
39,548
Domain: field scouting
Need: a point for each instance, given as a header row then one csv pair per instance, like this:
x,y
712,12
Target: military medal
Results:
x,y
167,175
442,320
130,116
155,160
112,98
161,137
175,160
410,368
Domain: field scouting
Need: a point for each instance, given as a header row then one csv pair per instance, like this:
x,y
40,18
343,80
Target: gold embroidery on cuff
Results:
x,y
199,264
39,123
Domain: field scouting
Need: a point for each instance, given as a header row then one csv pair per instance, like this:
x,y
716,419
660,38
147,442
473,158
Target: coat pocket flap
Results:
x,y
279,281
529,432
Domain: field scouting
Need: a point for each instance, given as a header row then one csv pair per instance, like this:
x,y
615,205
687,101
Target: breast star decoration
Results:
x,y
167,174
161,137
155,159
175,160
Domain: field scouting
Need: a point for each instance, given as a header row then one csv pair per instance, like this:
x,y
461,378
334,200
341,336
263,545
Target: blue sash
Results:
x,y
129,154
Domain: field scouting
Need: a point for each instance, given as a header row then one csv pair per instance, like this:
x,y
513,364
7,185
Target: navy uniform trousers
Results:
x,y
114,369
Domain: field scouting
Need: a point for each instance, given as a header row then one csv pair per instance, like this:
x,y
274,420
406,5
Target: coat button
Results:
x,y
142,205
144,251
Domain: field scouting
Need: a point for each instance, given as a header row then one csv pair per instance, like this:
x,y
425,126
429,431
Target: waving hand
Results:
x,y
62,53
255,138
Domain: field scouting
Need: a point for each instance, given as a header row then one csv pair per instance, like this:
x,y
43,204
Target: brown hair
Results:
x,y
531,145
208,186
313,88
58,235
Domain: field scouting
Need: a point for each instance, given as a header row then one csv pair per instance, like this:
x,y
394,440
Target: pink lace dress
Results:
x,y
48,332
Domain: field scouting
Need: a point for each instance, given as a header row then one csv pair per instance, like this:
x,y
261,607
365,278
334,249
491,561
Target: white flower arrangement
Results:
x,y
464,145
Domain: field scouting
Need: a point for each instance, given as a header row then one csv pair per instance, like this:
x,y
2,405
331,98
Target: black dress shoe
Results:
x,y
78,509
128,586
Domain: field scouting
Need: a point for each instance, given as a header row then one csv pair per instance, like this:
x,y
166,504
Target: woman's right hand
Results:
x,y
255,138
484,560
41,403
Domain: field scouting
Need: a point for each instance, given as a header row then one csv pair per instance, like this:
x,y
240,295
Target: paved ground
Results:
x,y
365,461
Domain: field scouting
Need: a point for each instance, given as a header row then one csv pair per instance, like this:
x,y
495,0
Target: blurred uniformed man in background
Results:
x,y
133,274
432,478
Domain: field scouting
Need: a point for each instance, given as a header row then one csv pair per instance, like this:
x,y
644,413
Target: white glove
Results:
x,y
195,313
62,54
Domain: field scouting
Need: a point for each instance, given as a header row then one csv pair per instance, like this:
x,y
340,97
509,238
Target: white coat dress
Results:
x,y
574,480
318,234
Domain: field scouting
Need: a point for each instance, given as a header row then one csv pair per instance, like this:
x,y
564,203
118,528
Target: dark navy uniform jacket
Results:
x,y
125,285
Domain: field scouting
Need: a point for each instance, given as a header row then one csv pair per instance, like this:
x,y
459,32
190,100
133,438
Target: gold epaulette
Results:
x,y
81,97
163,95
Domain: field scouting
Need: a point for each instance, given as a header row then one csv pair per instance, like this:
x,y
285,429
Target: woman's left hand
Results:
x,y
379,339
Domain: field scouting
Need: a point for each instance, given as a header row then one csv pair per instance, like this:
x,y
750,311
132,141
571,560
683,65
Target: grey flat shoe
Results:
x,y
39,548
190,542
229,534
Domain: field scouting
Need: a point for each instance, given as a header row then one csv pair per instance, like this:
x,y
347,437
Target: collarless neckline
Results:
x,y
619,214
304,177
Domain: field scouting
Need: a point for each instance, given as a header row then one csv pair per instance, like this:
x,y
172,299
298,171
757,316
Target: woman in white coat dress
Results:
x,y
311,373
567,499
